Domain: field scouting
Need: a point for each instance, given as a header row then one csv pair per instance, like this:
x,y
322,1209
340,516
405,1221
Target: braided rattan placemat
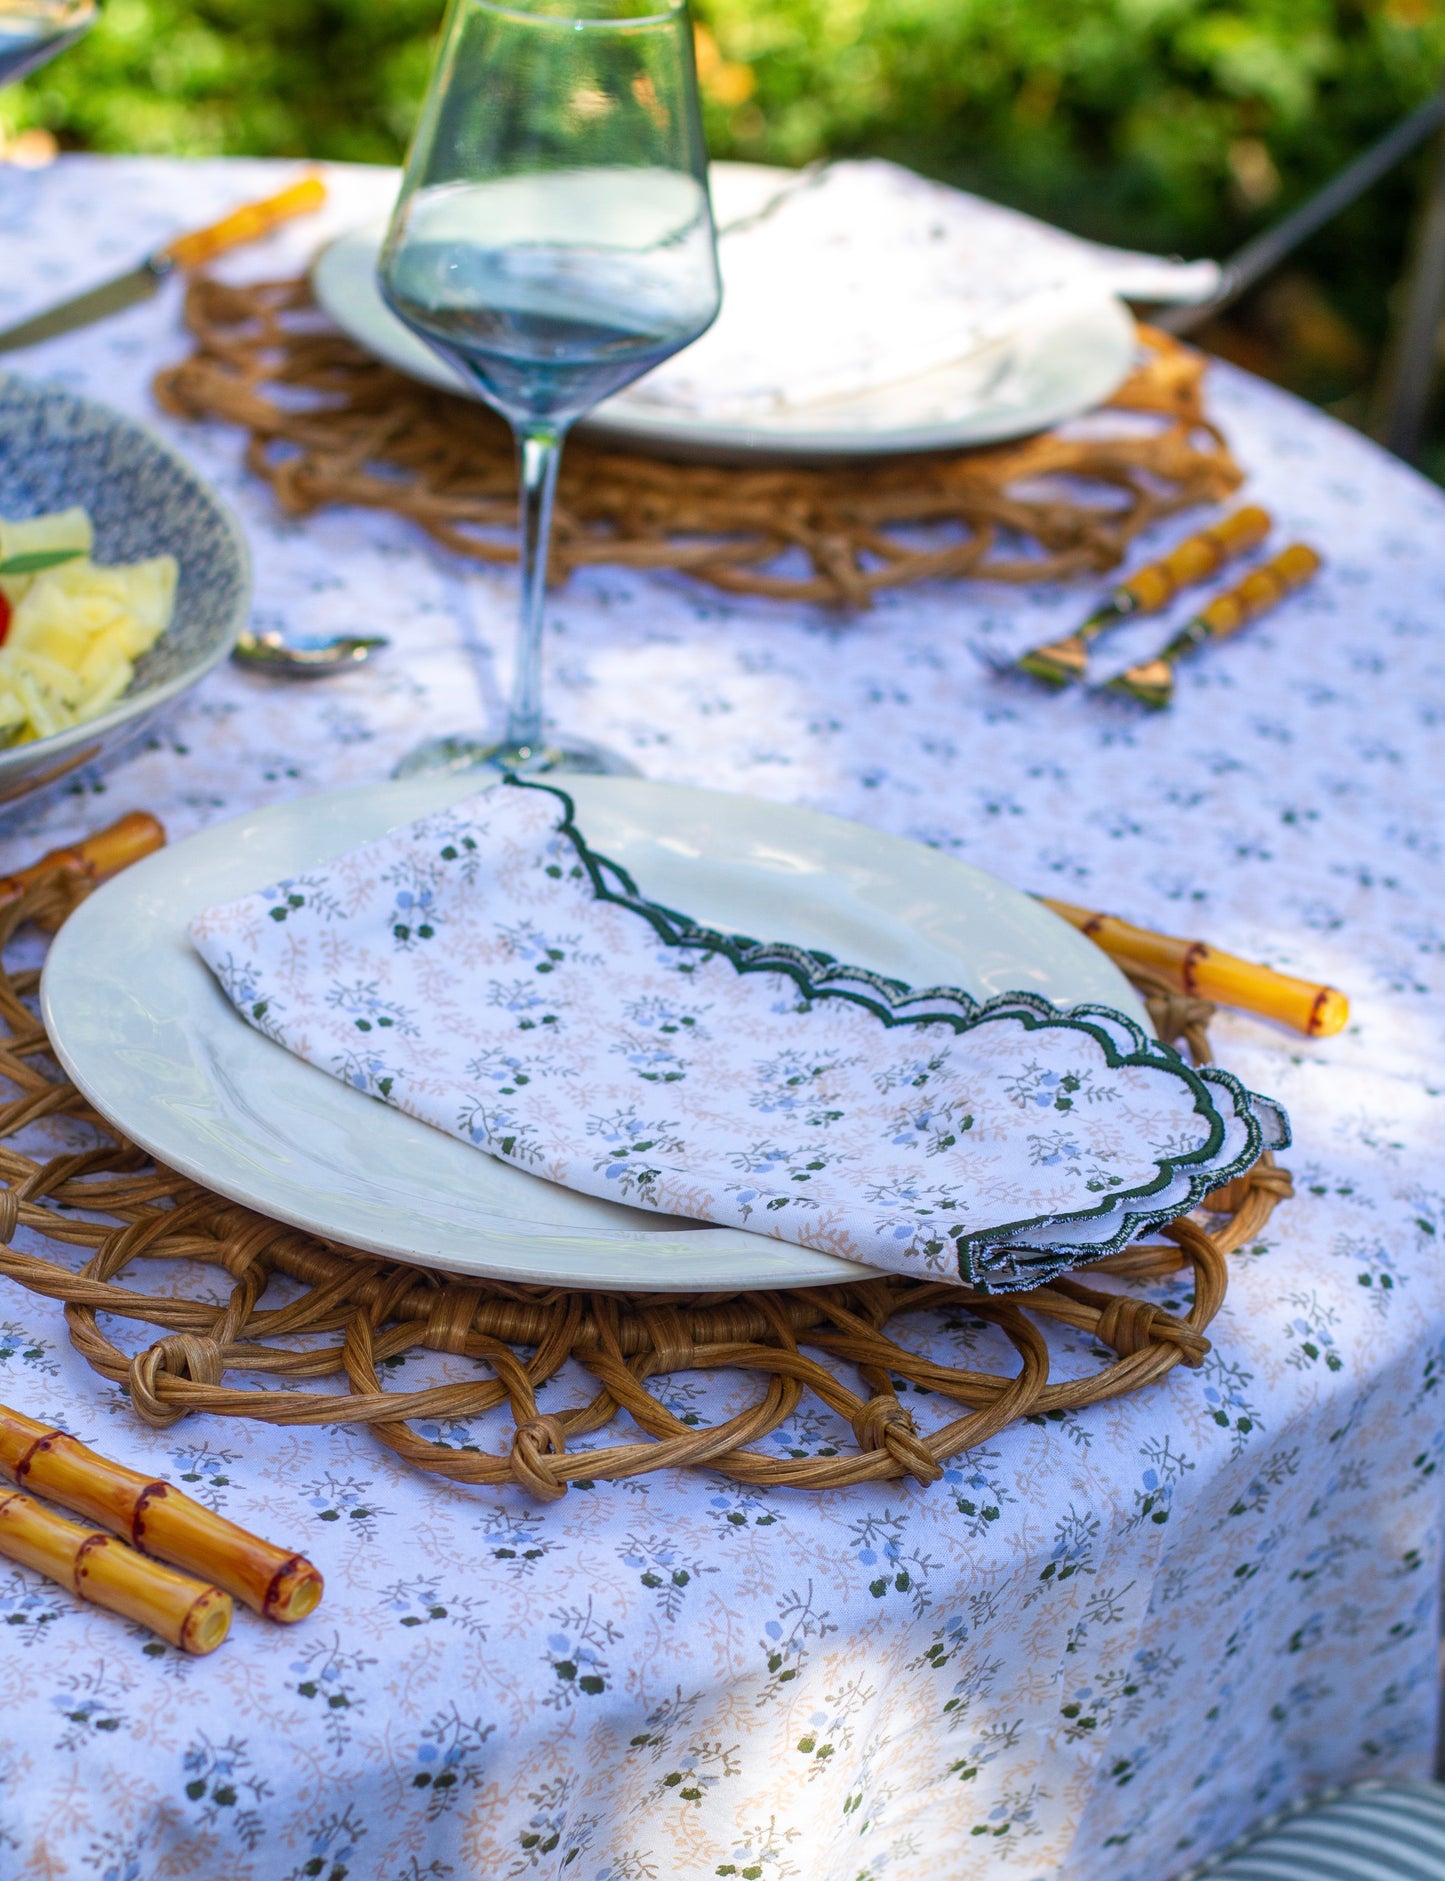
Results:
x,y
301,1312
328,424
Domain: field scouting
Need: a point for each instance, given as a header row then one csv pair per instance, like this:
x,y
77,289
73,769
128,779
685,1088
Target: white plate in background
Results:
x,y
1066,360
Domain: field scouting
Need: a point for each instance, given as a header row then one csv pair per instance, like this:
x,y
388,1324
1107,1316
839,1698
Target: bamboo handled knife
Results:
x,y
246,224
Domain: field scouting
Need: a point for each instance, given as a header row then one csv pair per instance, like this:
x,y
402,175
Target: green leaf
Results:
x,y
37,560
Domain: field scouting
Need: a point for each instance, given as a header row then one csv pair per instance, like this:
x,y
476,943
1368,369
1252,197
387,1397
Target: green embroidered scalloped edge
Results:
x,y
810,970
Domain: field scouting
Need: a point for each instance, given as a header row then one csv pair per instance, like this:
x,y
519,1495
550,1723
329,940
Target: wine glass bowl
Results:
x,y
554,241
552,291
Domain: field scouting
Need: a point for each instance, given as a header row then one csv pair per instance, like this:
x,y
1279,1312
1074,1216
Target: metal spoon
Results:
x,y
304,659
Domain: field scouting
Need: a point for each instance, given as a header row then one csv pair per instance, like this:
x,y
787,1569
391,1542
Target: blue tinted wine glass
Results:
x,y
32,31
554,240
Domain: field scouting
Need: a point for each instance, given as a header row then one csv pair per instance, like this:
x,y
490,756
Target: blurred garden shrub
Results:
x,y
1176,124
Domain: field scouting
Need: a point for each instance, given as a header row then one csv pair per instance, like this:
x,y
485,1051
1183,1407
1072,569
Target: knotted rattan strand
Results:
x,y
370,1310
328,423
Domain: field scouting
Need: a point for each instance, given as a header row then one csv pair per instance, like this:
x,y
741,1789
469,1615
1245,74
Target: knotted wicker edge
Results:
x,y
523,1335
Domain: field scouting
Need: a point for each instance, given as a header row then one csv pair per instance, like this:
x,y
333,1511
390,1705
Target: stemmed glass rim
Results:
x,y
47,9
539,13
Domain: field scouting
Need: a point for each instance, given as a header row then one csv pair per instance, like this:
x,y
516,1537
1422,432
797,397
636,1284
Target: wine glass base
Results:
x,y
464,751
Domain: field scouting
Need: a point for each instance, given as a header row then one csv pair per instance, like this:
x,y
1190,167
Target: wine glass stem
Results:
x,y
539,451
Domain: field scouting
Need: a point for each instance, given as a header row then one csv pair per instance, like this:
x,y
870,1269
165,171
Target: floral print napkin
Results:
x,y
485,971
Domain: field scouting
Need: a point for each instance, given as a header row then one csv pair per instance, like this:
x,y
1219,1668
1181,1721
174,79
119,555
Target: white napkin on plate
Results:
x,y
485,971
862,274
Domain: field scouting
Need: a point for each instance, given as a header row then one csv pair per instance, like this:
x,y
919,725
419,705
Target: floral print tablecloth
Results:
x,y
1105,1642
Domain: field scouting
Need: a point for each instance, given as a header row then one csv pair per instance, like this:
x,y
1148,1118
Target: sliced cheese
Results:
x,y
75,631
61,529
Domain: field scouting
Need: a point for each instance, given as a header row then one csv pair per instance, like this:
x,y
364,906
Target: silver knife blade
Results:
x,y
97,303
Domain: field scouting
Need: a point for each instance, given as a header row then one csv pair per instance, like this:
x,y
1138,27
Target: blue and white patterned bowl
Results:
x,y
57,449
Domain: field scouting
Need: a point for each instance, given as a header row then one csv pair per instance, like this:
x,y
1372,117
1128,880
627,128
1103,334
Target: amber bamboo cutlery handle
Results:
x,y
151,1514
1150,589
246,224
1152,681
96,1567
1196,559
1196,967
1261,589
95,859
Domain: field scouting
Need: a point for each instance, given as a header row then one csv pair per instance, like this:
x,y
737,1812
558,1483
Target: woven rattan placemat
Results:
x,y
301,1313
328,423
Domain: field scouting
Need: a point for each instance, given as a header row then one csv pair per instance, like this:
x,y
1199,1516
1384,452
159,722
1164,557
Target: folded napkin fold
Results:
x,y
862,275
487,972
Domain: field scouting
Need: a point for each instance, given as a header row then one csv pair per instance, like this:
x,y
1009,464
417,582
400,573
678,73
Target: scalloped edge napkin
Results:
x,y
484,970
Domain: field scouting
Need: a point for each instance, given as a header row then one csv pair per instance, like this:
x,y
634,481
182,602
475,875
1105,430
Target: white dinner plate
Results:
x,y
146,1034
1066,361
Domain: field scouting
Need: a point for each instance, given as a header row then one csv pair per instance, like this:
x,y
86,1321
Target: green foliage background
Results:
x,y
1177,124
